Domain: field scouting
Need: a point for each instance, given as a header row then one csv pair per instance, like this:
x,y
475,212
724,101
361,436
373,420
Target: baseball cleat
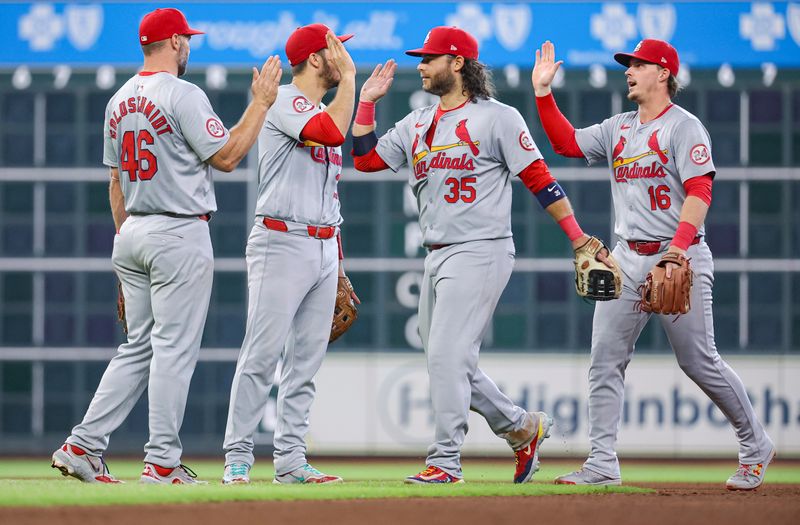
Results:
x,y
236,473
305,474
433,474
526,458
73,461
749,477
180,475
585,476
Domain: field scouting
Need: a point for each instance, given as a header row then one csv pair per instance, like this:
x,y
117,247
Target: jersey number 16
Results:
x,y
138,161
659,197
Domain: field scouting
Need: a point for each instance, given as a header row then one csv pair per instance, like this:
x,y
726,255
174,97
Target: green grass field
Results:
x,y
34,483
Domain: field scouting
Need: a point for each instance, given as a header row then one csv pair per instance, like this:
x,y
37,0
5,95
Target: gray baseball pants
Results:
x,y
166,267
615,329
460,290
291,282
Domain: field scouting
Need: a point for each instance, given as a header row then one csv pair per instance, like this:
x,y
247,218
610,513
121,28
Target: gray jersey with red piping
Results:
x,y
160,131
649,163
462,182
297,179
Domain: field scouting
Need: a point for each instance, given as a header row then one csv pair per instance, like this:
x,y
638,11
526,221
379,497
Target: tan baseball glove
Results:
x,y
593,279
345,312
121,308
662,295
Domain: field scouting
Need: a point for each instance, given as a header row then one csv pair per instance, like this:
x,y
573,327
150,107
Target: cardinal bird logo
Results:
x,y
619,147
652,143
463,135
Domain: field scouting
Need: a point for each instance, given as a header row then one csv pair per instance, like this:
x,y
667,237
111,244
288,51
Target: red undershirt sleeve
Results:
x,y
559,131
700,187
370,162
322,130
536,176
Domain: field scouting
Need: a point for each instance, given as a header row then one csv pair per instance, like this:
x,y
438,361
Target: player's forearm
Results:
x,y
341,108
364,122
359,130
694,211
560,209
242,137
117,200
693,214
562,213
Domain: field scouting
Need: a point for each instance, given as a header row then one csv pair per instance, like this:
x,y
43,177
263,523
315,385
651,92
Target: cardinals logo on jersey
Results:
x,y
441,160
464,139
629,167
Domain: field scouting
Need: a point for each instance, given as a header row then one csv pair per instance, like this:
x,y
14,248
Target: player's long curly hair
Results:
x,y
476,80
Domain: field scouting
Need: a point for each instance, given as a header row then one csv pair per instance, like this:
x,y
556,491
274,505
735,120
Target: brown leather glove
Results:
x,y
593,279
121,308
345,312
668,296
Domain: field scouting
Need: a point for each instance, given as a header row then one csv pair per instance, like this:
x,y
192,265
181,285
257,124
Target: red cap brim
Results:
x,y
345,38
625,59
417,52
194,32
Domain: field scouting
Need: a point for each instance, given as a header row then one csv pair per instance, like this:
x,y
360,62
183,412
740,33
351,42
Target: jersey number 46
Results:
x,y
135,159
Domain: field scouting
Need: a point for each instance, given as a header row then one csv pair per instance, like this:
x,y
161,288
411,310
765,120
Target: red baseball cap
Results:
x,y
655,52
308,39
162,24
444,40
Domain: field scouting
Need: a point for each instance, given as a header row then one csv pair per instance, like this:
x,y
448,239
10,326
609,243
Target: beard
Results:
x,y
330,76
441,83
183,58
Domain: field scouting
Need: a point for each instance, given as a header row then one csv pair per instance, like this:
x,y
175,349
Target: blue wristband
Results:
x,y
552,193
364,144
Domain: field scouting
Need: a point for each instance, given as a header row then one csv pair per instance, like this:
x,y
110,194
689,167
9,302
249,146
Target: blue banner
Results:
x,y
706,34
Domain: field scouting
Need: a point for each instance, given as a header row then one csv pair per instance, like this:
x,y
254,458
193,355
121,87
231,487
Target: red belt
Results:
x,y
437,246
652,247
318,232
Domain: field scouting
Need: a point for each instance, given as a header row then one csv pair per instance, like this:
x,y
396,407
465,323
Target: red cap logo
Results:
x,y
162,24
445,40
652,51
306,40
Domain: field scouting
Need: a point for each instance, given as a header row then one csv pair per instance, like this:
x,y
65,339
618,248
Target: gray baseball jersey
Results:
x,y
297,179
160,131
462,182
649,163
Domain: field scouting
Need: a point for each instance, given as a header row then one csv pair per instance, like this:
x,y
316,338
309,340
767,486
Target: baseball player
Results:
x,y
293,257
462,153
161,139
661,177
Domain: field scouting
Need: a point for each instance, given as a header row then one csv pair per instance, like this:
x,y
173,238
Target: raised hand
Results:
x,y
544,69
339,56
265,83
379,82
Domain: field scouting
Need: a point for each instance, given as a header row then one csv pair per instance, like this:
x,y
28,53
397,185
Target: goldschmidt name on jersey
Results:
x,y
141,105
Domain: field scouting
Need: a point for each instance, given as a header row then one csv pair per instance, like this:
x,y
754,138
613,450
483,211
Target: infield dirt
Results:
x,y
671,504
